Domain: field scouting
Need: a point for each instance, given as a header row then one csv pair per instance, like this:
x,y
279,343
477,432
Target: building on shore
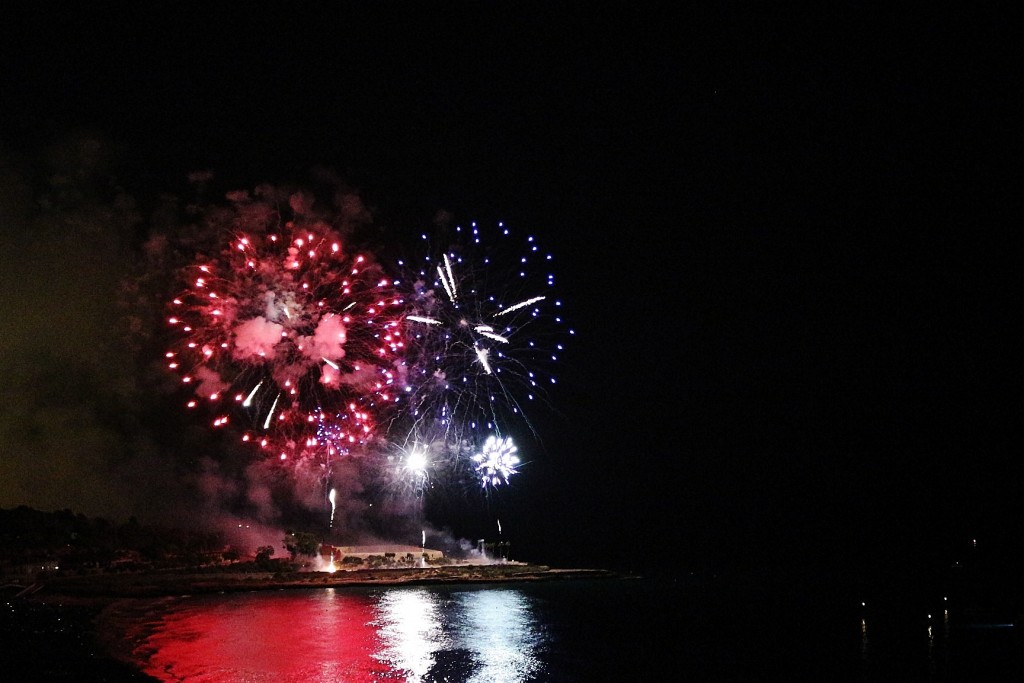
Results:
x,y
338,553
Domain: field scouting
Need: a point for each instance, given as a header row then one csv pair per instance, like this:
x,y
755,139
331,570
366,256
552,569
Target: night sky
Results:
x,y
786,242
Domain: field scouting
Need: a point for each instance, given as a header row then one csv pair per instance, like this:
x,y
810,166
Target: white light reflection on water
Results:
x,y
429,635
500,629
410,627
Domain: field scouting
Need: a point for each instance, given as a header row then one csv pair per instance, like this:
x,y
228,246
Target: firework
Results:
x,y
496,462
332,496
417,462
485,330
296,338
294,332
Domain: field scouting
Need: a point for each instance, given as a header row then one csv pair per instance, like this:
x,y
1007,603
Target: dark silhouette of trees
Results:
x,y
301,543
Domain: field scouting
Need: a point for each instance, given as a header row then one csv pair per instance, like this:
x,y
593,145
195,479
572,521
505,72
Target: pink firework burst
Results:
x,y
295,333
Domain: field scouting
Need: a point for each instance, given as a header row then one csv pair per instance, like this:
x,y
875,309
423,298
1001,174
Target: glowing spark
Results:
x,y
331,497
330,362
481,356
417,461
486,331
248,399
421,319
266,423
519,305
449,281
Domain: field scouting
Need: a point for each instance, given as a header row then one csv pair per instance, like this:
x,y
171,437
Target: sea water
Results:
x,y
576,630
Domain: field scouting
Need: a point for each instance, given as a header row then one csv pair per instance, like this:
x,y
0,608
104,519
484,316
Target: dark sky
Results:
x,y
787,241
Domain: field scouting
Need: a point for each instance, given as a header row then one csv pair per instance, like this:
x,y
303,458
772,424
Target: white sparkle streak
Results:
x,y
447,278
421,319
487,331
481,356
330,362
451,277
248,399
266,423
519,305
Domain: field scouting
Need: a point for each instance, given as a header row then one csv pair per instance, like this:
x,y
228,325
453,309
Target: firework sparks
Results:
x,y
484,332
317,353
497,461
417,462
295,331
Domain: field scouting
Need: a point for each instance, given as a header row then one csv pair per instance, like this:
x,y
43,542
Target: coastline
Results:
x,y
163,584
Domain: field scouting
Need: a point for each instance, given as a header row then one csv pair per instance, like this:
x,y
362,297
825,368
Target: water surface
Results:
x,y
590,630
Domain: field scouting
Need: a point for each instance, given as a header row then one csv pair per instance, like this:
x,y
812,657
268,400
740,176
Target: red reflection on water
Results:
x,y
257,637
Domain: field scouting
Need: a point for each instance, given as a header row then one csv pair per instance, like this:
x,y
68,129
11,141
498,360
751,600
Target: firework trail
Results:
x,y
484,329
295,332
333,497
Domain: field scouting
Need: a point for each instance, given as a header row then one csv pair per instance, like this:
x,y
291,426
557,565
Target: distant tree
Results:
x,y
301,543
263,555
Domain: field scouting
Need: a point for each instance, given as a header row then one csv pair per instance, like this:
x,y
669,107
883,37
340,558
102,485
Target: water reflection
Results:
x,y
266,637
410,627
404,634
473,636
500,628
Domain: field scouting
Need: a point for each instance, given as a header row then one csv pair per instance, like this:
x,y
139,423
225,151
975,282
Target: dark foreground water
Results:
x,y
600,630
688,629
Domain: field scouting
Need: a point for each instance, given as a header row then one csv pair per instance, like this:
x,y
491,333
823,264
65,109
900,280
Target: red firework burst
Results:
x,y
296,333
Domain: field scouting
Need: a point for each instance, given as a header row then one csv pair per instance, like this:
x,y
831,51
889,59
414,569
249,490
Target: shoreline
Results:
x,y
106,587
